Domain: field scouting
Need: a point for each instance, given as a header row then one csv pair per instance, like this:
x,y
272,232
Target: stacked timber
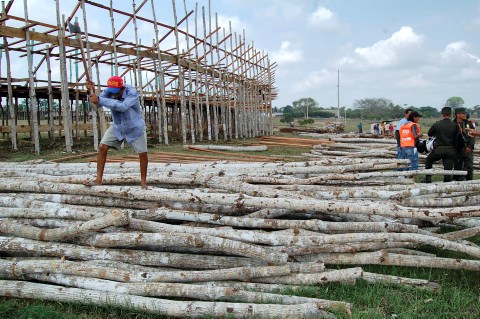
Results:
x,y
227,237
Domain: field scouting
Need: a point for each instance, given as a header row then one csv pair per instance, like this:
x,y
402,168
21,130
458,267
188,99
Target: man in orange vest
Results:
x,y
409,134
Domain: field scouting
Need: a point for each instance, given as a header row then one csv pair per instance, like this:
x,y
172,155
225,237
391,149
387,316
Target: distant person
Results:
x,y
128,125
471,120
383,128
473,133
376,130
444,132
397,134
465,145
391,128
409,134
360,128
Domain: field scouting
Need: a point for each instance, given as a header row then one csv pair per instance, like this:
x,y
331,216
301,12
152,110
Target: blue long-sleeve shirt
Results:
x,y
126,112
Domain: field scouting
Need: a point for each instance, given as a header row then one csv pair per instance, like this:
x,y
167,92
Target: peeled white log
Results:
x,y
385,258
388,279
420,201
16,269
278,288
169,239
177,309
16,228
348,275
210,198
316,225
33,200
268,213
472,186
405,251
389,141
58,213
288,237
461,234
359,154
148,258
296,250
239,201
195,291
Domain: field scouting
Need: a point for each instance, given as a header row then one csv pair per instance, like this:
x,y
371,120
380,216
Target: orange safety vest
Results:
x,y
407,139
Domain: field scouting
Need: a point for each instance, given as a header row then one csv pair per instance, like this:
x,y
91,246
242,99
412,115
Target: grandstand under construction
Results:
x,y
198,80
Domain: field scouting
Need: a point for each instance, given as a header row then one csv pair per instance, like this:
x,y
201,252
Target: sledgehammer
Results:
x,y
75,29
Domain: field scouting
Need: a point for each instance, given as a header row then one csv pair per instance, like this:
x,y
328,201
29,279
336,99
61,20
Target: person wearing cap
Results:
x,y
409,134
128,125
397,132
465,145
444,132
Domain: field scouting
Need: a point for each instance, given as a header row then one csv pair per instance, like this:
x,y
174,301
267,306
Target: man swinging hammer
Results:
x,y
128,125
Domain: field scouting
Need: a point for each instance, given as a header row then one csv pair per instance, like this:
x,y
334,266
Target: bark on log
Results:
x,y
348,275
148,258
16,269
177,309
158,241
388,279
16,228
385,258
194,291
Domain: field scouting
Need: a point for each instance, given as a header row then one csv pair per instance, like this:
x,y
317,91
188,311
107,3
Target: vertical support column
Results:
x,y
181,84
67,127
12,114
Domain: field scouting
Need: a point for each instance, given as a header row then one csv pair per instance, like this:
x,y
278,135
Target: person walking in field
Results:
x,y
128,125
391,128
444,132
409,134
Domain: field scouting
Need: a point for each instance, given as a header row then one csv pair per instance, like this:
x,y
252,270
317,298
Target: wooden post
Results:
x,y
207,104
12,114
31,84
64,83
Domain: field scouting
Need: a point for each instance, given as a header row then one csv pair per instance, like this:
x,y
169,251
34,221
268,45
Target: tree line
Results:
x,y
366,109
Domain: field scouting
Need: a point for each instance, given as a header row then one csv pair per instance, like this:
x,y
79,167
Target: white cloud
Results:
x,y
324,19
456,53
315,79
237,24
284,10
386,53
414,81
285,55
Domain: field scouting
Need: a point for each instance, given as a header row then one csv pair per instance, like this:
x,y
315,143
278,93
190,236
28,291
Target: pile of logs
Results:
x,y
225,239
364,146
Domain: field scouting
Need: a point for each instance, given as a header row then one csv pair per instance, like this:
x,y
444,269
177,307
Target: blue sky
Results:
x,y
413,52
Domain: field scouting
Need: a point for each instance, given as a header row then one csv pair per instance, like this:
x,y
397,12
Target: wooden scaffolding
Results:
x,y
212,85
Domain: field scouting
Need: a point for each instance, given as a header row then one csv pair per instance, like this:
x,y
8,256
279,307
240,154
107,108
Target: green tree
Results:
x,y
374,108
428,111
305,105
287,118
305,122
454,102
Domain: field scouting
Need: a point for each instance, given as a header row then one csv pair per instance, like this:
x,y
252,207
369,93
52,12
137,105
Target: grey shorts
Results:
x,y
139,145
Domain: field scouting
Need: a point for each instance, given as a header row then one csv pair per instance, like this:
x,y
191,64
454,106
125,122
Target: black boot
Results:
x,y
427,179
